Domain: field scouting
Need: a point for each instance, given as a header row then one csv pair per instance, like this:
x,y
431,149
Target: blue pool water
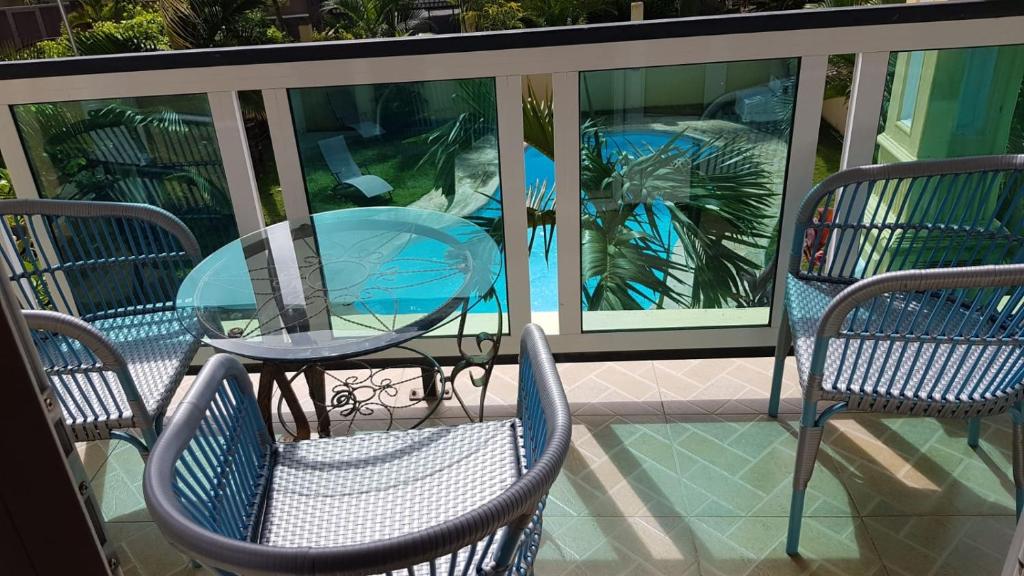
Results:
x,y
539,168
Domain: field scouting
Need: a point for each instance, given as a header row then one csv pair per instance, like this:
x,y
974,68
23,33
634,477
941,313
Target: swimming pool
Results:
x,y
539,168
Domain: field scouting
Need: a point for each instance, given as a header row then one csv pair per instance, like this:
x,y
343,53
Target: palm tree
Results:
x,y
215,23
375,18
634,216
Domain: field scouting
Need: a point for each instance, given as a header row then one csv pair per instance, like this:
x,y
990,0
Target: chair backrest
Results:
x,y
926,214
94,259
205,496
338,158
115,145
214,457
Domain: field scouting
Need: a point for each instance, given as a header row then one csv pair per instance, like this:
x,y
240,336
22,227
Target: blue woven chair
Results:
x,y
97,282
455,500
905,295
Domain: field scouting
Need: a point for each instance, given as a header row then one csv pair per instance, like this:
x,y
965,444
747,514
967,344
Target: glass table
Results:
x,y
301,296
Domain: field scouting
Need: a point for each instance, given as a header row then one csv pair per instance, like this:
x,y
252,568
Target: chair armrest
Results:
x,y
95,342
80,330
905,281
542,406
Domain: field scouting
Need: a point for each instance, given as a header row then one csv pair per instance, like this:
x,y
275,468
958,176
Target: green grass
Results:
x,y
392,158
829,153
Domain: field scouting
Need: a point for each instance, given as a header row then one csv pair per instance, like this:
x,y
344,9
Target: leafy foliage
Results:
x,y
374,18
89,12
143,31
6,188
476,100
562,12
714,213
539,122
216,23
489,15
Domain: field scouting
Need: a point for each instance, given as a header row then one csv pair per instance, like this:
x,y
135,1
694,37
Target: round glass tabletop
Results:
x,y
343,284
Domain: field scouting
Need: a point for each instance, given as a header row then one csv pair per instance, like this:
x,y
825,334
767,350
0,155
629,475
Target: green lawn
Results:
x,y
392,158
829,154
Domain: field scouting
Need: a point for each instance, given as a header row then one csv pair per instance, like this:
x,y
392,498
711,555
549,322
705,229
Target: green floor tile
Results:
x,y
942,545
749,470
756,546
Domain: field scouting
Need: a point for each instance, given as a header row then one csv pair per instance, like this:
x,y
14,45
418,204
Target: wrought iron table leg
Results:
x,y
483,358
270,374
430,375
318,393
429,383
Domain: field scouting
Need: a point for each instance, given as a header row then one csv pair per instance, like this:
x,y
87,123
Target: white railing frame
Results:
x,y
507,66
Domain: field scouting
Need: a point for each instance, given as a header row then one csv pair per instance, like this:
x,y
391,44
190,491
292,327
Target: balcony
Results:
x,y
675,467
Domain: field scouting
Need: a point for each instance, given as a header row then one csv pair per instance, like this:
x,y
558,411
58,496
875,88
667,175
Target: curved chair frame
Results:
x,y
963,272
72,348
222,394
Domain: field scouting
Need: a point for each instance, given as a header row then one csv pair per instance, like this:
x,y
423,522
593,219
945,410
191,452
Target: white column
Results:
x,y
234,154
865,106
566,93
286,153
513,200
810,92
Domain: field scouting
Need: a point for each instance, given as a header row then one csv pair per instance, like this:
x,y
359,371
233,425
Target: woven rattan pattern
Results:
x,y
158,350
368,487
884,367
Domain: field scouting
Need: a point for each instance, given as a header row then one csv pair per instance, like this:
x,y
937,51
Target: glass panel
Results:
x,y
968,102
427,145
261,151
539,156
911,86
834,109
681,175
159,150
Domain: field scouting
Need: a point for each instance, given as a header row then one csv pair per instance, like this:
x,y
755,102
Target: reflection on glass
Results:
x,y
911,85
539,155
952,103
261,151
159,150
681,177
429,145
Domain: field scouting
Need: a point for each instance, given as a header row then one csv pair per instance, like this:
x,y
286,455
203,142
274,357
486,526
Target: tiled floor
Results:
x,y
675,470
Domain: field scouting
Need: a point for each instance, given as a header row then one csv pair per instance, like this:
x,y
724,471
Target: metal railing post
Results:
x,y
509,96
234,155
565,87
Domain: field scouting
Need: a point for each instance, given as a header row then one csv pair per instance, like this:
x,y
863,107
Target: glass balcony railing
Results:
x,y
641,179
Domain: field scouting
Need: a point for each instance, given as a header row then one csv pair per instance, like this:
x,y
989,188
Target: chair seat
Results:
x,y
882,366
158,351
370,487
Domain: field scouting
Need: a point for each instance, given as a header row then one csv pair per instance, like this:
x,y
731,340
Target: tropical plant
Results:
x,y
672,224
141,31
713,213
374,18
562,12
215,23
6,188
89,12
539,122
476,101
489,15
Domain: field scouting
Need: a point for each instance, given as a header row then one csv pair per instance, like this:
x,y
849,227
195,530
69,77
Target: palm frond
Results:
x,y
539,122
